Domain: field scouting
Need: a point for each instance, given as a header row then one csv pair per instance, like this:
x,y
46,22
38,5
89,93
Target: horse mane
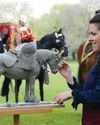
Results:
x,y
43,54
45,38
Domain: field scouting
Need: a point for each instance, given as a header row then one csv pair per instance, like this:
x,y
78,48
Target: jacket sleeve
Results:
x,y
75,85
90,97
31,36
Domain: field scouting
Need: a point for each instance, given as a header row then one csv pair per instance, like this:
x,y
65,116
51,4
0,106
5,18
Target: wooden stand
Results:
x,y
27,109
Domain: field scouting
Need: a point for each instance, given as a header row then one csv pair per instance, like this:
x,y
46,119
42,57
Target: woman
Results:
x,y
89,94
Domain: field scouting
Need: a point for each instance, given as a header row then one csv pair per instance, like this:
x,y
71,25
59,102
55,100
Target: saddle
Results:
x,y
24,56
9,59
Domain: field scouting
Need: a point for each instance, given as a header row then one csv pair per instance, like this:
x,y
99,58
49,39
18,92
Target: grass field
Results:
x,y
59,116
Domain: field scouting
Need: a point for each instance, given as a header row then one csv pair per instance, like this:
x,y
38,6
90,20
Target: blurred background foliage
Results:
x,y
72,18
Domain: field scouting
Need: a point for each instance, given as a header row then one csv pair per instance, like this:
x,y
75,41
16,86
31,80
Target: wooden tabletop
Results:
x,y
27,108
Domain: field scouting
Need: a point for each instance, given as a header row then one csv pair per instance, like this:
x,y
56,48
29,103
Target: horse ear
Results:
x,y
60,30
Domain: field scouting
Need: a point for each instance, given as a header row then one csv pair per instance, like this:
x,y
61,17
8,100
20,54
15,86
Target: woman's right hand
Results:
x,y
64,96
65,71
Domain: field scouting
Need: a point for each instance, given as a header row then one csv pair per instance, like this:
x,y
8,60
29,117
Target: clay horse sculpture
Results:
x,y
25,62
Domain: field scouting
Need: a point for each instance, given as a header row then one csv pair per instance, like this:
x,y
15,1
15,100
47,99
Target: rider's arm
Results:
x,y
10,41
31,37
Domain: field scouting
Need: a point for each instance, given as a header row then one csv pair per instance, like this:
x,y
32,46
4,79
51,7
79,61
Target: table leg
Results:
x,y
16,119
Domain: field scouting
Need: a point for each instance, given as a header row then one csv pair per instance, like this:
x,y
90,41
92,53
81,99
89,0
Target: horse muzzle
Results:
x,y
54,71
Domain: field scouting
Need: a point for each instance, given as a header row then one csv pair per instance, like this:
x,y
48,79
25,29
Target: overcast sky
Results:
x,y
43,6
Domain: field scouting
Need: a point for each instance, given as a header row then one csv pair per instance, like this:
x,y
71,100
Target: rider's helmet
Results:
x,y
22,20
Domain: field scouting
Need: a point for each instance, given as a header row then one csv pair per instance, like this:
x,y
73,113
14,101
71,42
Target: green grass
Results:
x,y
59,116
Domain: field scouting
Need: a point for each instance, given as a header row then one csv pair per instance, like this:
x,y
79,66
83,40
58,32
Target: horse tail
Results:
x,y
5,88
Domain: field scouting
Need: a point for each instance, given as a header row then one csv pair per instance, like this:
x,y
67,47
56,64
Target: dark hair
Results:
x,y
96,20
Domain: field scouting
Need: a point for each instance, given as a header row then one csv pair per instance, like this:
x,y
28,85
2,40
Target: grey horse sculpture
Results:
x,y
25,62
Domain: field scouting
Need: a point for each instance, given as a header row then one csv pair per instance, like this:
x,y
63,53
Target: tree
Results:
x,y
12,11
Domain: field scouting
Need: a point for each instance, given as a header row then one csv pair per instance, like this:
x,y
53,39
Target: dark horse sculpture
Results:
x,y
54,40
86,59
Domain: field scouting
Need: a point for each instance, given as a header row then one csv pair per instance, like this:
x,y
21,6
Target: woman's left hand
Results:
x,y
65,71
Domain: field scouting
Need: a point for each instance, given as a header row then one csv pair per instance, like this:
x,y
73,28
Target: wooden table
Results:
x,y
26,108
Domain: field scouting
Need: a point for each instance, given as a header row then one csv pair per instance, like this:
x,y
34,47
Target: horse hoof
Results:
x,y
33,99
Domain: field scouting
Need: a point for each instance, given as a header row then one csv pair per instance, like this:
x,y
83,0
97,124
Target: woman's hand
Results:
x,y
65,71
60,98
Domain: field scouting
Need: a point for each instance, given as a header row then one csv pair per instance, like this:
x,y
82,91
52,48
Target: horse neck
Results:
x,y
45,44
43,55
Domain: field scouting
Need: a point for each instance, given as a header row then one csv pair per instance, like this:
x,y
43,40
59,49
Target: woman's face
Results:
x,y
94,36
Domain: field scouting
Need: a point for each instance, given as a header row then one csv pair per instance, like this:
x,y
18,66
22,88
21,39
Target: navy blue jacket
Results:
x,y
89,93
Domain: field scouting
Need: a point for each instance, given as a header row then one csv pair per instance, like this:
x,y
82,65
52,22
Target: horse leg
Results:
x,y
41,81
27,93
32,89
41,89
5,88
17,86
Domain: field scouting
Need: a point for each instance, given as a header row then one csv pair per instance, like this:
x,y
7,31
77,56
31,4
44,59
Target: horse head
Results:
x,y
54,61
59,42
55,40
